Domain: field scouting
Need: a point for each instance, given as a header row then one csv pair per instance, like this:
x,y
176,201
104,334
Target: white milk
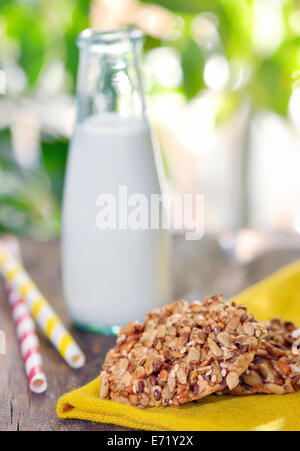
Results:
x,y
111,277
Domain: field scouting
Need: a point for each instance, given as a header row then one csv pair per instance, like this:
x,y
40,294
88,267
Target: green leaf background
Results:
x,y
44,31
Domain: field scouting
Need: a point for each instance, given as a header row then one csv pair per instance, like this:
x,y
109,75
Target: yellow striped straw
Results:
x,y
14,274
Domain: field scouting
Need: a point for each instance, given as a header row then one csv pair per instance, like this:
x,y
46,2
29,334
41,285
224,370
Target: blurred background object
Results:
x,y
222,79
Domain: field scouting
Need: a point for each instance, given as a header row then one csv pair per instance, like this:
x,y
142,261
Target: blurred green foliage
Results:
x,y
37,32
44,30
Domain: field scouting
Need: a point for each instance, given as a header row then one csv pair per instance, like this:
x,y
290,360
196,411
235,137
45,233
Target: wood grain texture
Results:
x,y
19,408
200,269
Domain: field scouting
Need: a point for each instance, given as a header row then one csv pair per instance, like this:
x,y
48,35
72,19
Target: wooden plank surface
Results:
x,y
200,268
19,408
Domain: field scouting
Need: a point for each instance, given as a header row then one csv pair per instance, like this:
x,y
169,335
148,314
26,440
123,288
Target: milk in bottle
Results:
x,y
115,275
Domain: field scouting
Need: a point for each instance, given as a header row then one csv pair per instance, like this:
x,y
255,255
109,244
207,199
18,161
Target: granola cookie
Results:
x,y
182,352
276,366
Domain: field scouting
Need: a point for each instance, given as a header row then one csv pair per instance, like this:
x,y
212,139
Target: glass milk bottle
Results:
x,y
115,267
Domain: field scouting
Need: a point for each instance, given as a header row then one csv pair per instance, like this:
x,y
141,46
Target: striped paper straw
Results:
x,y
12,245
28,341
26,331
17,278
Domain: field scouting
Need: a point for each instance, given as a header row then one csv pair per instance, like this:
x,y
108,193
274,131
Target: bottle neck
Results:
x,y
109,77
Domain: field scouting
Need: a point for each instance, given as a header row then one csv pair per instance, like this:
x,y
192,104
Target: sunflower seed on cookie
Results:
x,y
182,352
276,366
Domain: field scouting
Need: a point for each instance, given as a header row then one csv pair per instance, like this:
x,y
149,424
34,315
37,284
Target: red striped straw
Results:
x,y
26,332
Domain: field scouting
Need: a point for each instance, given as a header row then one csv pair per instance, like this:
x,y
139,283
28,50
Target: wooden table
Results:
x,y
200,268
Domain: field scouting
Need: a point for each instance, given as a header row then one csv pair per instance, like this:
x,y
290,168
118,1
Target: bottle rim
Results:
x,y
90,37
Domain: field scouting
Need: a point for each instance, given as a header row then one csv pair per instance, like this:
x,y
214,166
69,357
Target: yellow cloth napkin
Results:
x,y
278,295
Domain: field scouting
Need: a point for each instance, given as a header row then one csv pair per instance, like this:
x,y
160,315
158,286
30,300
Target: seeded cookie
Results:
x,y
182,352
276,366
